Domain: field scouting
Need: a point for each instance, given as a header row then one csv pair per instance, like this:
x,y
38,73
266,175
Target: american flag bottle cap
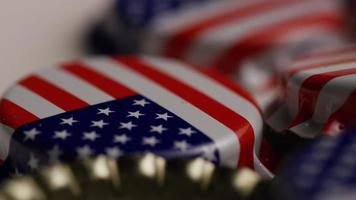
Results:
x,y
230,35
320,94
260,74
128,105
323,170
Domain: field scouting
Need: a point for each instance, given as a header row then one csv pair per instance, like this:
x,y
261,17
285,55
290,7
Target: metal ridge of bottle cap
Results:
x,y
153,176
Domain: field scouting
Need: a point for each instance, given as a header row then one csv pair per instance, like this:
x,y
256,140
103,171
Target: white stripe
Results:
x,y
32,102
74,85
321,60
214,90
332,96
316,32
223,36
307,129
280,118
225,140
5,135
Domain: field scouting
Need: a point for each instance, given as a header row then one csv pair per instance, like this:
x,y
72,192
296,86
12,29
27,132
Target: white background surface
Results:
x,y
41,33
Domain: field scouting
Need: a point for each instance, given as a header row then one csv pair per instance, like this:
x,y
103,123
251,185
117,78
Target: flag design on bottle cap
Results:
x,y
324,170
139,13
320,94
227,34
128,105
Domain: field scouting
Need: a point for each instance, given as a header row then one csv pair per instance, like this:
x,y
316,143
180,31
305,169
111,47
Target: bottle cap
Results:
x,y
129,105
323,170
319,94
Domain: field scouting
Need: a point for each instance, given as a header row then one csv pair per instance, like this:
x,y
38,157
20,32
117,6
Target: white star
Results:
x,y
33,162
31,134
69,121
208,152
121,139
90,136
163,116
181,145
141,102
136,114
105,111
186,131
84,152
114,152
54,153
152,141
128,125
99,124
61,134
159,129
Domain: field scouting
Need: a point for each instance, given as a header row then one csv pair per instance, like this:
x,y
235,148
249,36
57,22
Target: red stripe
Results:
x,y
309,93
324,64
99,80
269,156
218,111
13,115
53,94
345,117
262,40
180,42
